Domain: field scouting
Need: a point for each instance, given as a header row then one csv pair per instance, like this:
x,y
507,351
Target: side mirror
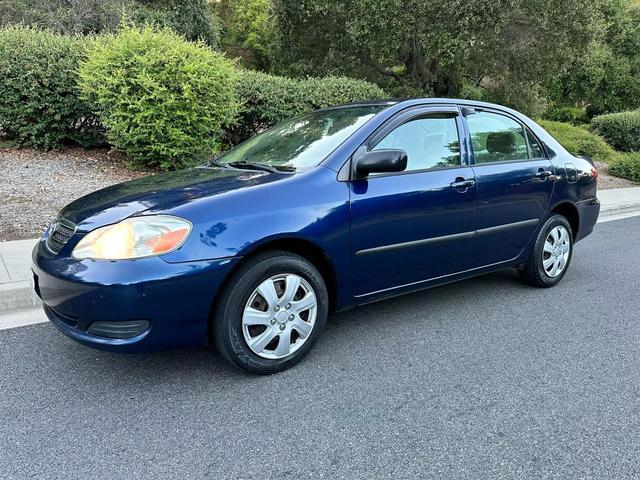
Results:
x,y
381,161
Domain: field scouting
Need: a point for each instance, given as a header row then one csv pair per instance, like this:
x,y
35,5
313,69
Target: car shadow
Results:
x,y
201,364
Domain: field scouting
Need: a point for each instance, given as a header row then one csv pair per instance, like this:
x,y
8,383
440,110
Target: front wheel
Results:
x,y
551,254
271,313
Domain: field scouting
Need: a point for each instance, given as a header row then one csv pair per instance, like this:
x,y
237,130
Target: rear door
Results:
x,y
515,181
418,224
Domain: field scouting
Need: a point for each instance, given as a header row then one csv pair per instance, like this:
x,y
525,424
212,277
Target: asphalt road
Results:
x,y
482,379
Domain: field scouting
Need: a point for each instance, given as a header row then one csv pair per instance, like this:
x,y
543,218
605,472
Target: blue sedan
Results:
x,y
331,210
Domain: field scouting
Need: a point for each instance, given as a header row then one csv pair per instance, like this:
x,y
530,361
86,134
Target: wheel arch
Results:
x,y
570,212
298,246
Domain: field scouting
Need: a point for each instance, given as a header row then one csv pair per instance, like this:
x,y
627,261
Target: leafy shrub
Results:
x,y
621,130
269,99
162,99
330,91
626,165
192,18
572,115
580,141
39,104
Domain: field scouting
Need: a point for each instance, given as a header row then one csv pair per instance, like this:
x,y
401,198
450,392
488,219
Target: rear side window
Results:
x,y
430,142
497,138
535,150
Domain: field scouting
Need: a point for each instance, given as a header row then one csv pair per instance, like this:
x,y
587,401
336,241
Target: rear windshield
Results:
x,y
305,141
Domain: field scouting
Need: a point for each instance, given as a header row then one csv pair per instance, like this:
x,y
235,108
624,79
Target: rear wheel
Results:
x,y
551,254
271,313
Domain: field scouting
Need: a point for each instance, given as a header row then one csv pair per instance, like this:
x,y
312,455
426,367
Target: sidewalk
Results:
x,y
15,257
15,261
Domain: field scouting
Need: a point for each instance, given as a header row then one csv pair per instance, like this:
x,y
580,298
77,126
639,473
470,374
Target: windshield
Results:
x,y
302,142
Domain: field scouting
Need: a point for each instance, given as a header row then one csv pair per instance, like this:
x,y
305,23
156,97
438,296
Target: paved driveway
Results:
x,y
481,379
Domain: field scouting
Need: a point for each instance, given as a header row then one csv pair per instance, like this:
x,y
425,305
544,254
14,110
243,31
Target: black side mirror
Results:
x,y
381,161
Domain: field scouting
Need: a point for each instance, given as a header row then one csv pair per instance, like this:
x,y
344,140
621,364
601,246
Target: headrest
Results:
x,y
501,142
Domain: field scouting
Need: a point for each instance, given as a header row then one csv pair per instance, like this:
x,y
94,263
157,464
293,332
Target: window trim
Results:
x,y
524,127
345,174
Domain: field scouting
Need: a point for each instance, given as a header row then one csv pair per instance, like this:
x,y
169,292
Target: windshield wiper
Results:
x,y
216,163
255,166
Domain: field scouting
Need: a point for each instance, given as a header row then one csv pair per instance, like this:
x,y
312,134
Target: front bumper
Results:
x,y
140,305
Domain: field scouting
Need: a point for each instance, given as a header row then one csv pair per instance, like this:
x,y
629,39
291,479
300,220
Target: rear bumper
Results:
x,y
142,305
588,211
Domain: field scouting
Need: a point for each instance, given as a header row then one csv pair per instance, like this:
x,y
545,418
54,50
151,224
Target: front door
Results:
x,y
514,185
419,224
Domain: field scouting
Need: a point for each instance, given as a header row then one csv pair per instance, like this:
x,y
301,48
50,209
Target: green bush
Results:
x,y
330,91
621,130
580,141
269,99
572,115
192,18
162,99
39,104
626,165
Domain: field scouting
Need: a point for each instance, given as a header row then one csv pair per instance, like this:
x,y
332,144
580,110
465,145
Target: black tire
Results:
x,y
227,329
533,272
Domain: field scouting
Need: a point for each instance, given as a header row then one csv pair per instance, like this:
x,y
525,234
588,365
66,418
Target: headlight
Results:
x,y
134,238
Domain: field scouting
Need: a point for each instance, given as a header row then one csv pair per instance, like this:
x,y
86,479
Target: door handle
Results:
x,y
462,184
542,173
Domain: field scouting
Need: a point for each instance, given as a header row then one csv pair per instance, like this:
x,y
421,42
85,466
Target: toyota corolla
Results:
x,y
331,210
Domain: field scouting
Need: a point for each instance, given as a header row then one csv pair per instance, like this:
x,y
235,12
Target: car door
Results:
x,y
418,224
514,181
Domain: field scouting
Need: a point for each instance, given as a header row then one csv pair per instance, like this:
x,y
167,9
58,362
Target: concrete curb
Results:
x,y
16,295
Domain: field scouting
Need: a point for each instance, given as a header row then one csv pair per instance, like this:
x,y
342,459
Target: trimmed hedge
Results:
x,y
39,98
626,165
269,99
580,141
621,130
163,99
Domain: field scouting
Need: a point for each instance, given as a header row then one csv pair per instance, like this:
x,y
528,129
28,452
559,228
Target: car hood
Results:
x,y
158,192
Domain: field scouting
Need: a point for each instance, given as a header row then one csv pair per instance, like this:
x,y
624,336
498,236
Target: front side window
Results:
x,y
430,142
302,142
496,138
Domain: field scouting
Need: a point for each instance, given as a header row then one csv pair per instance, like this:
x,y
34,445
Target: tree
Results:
x,y
607,77
503,49
248,30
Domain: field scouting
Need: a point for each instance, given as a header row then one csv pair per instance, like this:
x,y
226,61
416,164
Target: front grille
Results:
x,y
60,231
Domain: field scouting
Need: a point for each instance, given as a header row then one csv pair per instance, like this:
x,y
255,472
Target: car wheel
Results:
x,y
271,313
551,254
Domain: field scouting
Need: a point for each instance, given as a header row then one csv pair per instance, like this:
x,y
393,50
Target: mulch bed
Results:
x,y
36,184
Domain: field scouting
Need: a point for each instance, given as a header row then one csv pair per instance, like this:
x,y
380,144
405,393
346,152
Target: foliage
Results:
x,y
162,99
580,141
191,18
39,102
621,130
626,165
269,99
607,77
572,115
508,48
249,30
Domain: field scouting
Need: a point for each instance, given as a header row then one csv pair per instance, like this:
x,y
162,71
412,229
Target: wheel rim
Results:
x,y
555,253
279,316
